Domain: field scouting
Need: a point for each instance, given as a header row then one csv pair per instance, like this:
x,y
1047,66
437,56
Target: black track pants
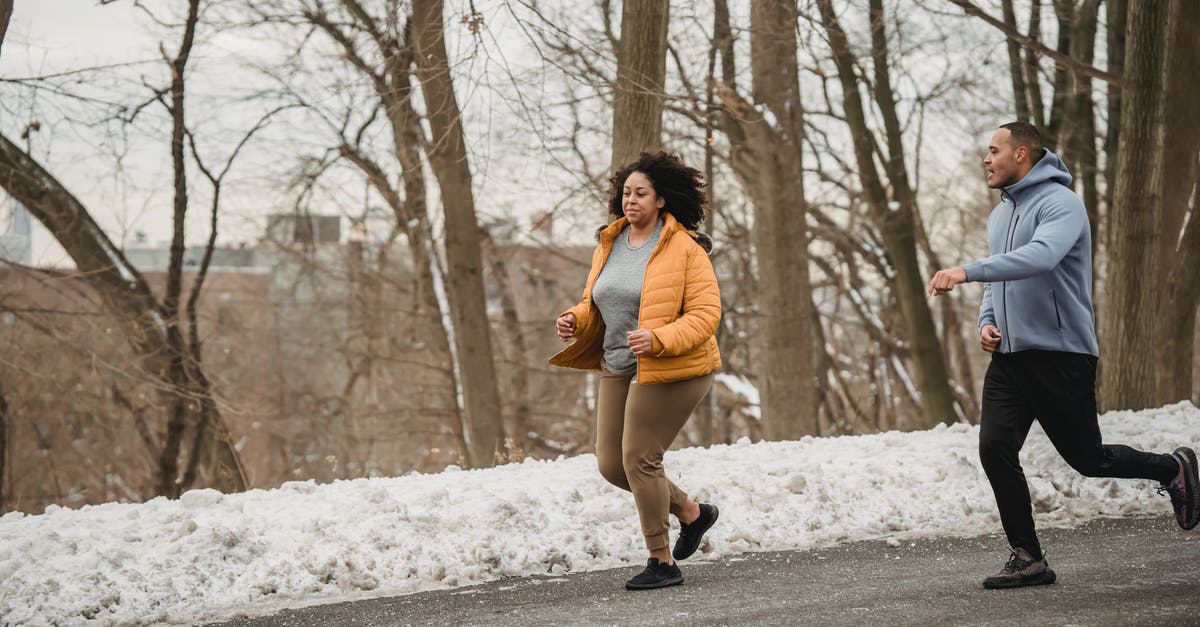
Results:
x,y
1059,390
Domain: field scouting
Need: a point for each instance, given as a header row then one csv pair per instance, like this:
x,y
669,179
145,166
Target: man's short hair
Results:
x,y
1027,135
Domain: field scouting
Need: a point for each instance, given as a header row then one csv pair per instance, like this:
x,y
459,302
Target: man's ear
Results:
x,y
1021,154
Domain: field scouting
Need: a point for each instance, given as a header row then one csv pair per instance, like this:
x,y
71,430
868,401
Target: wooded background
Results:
x,y
465,148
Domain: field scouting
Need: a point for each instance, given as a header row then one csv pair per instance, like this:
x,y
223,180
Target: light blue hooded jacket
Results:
x,y
1038,280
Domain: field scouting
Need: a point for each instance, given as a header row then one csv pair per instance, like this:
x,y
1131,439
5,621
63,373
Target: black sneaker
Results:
x,y
690,535
1184,489
1021,570
656,575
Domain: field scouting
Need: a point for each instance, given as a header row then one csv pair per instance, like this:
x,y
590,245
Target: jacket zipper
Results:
x,y
1013,219
662,241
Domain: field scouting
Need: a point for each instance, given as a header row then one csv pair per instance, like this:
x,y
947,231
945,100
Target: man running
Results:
x,y
1038,323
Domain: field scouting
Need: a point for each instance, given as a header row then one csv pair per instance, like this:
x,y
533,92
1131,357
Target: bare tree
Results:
x,y
1178,291
1128,378
1115,12
3,435
121,287
1034,43
154,329
193,414
518,428
6,9
641,73
767,142
381,50
1074,104
1069,125
892,206
448,159
1016,67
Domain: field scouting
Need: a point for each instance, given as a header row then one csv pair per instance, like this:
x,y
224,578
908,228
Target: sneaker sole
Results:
x,y
1041,579
656,585
681,556
1191,482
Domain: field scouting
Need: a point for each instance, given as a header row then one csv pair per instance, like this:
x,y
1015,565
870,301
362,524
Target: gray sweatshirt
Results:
x,y
618,295
1038,279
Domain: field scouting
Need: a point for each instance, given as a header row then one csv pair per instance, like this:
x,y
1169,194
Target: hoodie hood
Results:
x,y
1049,169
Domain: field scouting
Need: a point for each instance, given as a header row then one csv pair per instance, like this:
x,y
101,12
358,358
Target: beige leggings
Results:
x,y
635,424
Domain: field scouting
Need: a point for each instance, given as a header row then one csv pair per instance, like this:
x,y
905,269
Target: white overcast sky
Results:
x,y
515,173
51,36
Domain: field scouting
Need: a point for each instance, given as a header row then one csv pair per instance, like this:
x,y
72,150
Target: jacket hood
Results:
x,y
1049,169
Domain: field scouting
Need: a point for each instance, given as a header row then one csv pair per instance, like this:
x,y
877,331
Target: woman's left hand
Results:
x,y
640,342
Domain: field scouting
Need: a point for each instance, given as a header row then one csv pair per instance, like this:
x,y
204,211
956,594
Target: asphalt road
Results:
x,y
1129,571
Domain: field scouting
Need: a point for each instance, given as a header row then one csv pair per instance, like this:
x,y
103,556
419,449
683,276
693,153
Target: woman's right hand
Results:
x,y
565,326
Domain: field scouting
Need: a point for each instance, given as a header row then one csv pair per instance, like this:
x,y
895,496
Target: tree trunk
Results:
x,y
393,86
6,9
518,431
706,412
1055,132
464,285
933,380
180,411
1079,126
641,72
768,159
1032,74
893,213
192,413
957,338
1016,70
1128,379
1179,292
413,216
1114,18
3,434
206,455
120,286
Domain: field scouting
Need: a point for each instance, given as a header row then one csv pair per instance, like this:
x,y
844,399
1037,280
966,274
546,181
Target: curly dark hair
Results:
x,y
682,188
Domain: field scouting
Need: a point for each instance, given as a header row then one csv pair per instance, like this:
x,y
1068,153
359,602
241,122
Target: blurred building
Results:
x,y
298,228
15,233
284,232
321,349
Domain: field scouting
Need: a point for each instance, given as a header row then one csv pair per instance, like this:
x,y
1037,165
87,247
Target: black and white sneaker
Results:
x,y
690,535
1021,570
656,575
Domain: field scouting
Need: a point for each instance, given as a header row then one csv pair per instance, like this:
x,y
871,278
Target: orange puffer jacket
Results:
x,y
681,307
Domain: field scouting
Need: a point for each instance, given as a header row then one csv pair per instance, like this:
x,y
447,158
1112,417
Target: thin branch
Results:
x,y
1037,46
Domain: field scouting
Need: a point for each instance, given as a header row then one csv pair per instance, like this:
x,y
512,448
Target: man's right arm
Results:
x,y
1060,224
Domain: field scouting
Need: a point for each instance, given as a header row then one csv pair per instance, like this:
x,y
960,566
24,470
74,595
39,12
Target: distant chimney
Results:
x,y
302,228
